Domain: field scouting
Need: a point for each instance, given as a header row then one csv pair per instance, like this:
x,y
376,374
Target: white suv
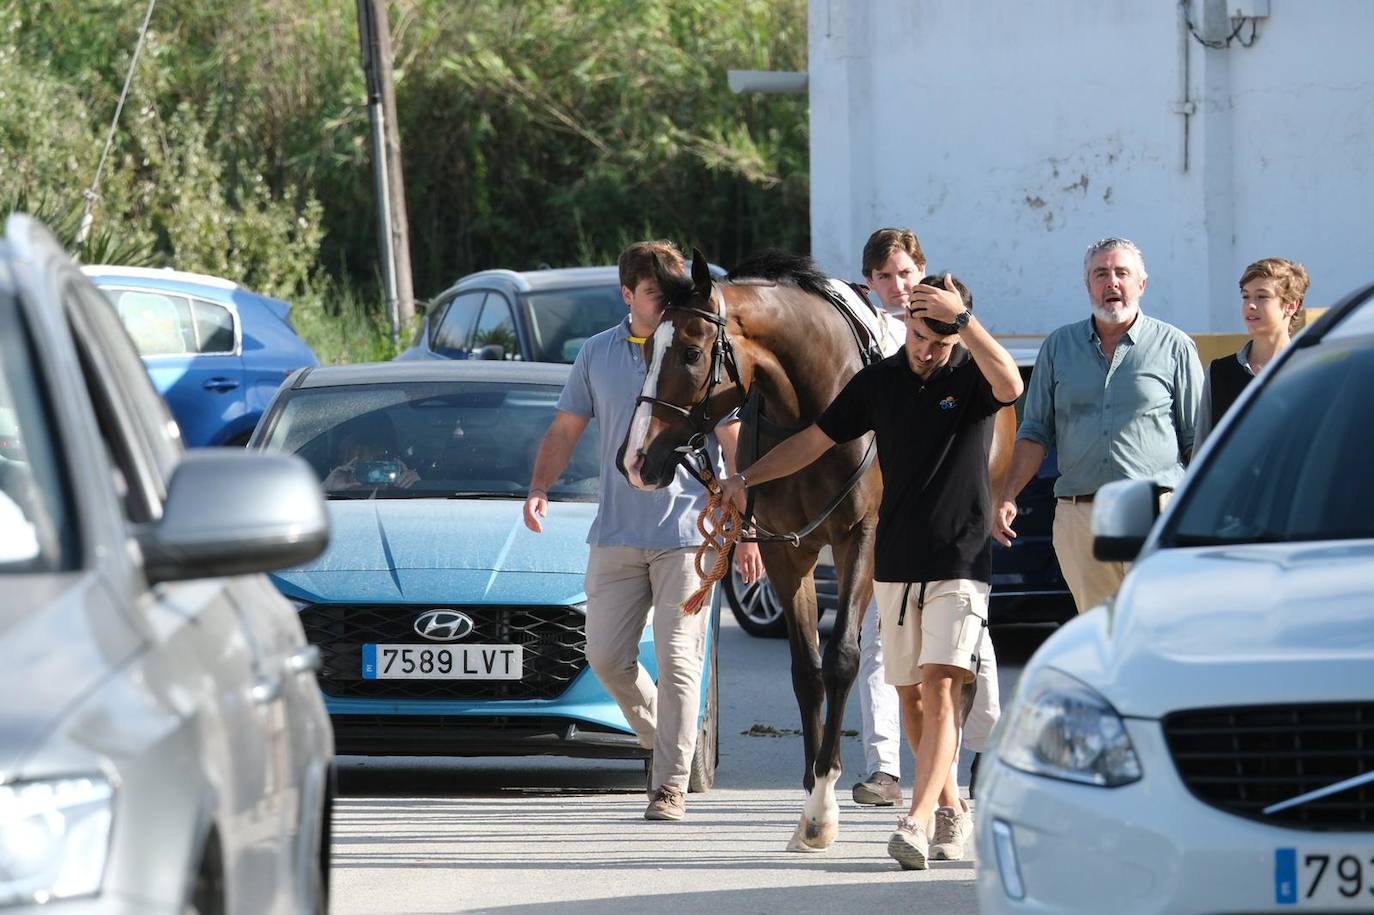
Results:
x,y
1204,743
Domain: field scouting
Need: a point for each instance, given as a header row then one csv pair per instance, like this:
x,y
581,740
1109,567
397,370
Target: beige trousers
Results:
x,y
1091,581
623,585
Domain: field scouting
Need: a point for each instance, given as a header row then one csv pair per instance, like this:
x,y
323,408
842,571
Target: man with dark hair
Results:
x,y
931,406
643,543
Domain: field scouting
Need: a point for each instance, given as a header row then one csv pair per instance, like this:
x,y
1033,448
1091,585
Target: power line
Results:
x,y
91,193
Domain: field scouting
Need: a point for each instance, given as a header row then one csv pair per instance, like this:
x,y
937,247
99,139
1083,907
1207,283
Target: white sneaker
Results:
x,y
952,831
909,845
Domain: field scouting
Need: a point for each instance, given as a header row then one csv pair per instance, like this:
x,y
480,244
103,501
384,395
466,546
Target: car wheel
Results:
x,y
707,756
756,606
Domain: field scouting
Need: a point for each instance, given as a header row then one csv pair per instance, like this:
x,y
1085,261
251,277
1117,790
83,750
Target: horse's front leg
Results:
x,y
790,572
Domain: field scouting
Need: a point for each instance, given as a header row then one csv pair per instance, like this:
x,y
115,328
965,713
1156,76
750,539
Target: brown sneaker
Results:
x,y
879,790
668,804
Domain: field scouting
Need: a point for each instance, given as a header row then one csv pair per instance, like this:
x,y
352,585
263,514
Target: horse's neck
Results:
x,y
797,351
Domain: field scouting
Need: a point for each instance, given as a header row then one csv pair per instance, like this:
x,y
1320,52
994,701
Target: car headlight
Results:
x,y
54,838
1064,729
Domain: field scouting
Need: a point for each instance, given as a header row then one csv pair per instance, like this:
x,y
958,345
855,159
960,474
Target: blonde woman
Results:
x,y
1271,294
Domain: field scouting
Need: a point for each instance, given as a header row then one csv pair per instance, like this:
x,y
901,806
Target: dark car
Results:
x,y
216,351
1027,585
532,315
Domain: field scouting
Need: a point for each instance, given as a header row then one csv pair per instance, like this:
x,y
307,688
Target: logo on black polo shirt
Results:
x,y
949,403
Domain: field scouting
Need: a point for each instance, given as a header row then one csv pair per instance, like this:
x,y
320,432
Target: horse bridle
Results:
x,y
693,454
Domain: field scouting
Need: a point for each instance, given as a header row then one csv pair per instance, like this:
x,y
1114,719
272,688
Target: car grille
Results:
x,y
1244,759
554,640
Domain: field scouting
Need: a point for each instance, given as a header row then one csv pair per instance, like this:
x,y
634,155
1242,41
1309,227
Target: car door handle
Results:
x,y
267,690
220,384
307,658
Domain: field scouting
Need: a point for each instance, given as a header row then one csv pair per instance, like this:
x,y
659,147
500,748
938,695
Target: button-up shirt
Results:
x,y
1132,417
606,377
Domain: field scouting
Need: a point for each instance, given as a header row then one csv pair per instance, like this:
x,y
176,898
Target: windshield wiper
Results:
x,y
483,494
1232,540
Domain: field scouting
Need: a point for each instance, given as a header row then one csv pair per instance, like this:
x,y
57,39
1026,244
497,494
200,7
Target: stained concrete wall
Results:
x,y
1011,135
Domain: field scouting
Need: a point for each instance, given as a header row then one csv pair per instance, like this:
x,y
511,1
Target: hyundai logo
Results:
x,y
443,625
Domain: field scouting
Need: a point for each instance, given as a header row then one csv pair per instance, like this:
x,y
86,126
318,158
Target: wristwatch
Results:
x,y
742,478
962,318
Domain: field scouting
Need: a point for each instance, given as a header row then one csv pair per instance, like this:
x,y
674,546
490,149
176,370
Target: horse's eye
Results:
x,y
692,355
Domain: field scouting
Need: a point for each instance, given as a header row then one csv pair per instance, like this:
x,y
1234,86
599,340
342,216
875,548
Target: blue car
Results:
x,y
216,352
446,627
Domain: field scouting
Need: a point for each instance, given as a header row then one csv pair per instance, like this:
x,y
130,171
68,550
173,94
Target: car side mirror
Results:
x,y
492,351
231,512
1123,513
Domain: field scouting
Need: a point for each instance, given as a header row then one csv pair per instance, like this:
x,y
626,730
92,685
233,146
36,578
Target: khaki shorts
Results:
x,y
942,626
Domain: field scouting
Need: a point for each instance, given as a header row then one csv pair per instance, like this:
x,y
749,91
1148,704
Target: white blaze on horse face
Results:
x,y
643,415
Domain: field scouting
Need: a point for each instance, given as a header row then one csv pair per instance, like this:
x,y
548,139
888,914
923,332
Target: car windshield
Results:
x,y
561,320
1296,465
430,440
37,531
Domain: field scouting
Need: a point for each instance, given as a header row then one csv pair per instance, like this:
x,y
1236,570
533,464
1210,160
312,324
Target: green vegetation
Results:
x,y
533,131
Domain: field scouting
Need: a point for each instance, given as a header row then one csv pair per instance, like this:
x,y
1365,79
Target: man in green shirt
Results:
x,y
1117,396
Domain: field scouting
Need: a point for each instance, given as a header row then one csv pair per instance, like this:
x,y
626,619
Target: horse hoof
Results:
x,y
812,836
800,841
821,836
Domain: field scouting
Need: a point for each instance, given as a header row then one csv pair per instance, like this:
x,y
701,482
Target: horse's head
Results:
x,y
691,383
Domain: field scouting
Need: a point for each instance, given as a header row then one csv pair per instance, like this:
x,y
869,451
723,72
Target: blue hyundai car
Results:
x,y
445,626
216,352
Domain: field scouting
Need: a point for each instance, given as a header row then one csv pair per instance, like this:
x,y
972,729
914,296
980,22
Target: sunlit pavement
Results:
x,y
567,835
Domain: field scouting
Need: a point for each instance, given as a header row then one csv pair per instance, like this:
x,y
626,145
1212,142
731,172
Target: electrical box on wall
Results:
x,y
1248,9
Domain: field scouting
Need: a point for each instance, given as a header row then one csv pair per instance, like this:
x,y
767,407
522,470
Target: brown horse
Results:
x,y
769,330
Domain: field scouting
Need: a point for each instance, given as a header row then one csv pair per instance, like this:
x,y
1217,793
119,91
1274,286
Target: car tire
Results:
x,y
702,776
756,606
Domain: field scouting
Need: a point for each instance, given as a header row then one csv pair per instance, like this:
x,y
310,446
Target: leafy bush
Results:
x,y
533,132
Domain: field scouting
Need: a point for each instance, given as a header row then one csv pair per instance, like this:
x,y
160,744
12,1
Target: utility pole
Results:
x,y
374,35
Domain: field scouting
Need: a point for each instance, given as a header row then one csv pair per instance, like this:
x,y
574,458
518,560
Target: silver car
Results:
x,y
163,744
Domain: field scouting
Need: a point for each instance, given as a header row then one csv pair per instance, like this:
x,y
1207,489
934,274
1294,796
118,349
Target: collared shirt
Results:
x,y
933,439
606,377
1132,418
1204,410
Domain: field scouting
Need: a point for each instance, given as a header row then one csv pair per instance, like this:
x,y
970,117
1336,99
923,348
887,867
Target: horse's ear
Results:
x,y
701,273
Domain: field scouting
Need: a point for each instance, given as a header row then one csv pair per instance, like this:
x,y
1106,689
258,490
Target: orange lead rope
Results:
x,y
720,526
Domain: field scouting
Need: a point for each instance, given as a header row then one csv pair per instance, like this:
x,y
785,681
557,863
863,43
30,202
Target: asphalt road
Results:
x,y
545,834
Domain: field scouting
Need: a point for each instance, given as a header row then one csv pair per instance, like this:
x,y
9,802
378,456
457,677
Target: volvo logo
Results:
x,y
443,625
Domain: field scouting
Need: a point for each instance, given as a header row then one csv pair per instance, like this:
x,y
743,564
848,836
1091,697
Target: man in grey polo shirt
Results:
x,y
643,544
1117,394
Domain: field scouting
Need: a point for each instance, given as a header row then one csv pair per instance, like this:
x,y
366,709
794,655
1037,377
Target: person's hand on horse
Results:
x,y
940,304
536,507
732,489
1002,518
748,562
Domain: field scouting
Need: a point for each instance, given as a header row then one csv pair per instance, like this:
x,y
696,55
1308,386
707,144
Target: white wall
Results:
x,y
1011,135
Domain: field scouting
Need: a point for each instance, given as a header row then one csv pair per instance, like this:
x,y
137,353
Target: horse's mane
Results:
x,y
782,267
771,266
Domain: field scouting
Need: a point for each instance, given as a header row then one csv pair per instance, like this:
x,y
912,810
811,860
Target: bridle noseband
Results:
x,y
722,356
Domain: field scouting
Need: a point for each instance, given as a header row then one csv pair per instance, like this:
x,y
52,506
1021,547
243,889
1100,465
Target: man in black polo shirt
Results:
x,y
931,406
